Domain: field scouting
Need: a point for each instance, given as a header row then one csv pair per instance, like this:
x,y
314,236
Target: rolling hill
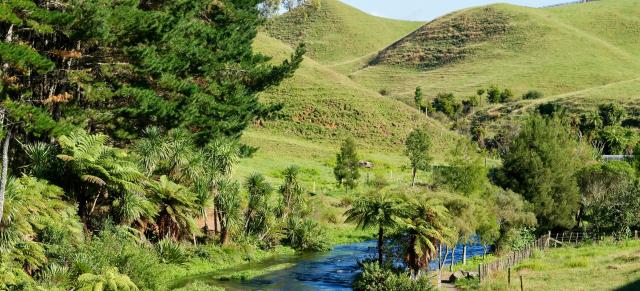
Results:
x,y
575,52
322,108
580,55
337,34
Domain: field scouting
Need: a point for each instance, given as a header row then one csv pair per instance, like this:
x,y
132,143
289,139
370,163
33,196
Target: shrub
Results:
x,y
446,103
533,94
306,235
374,278
55,275
171,252
506,96
493,94
117,246
108,279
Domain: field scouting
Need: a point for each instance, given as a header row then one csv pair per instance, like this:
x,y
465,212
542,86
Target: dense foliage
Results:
x,y
541,164
120,123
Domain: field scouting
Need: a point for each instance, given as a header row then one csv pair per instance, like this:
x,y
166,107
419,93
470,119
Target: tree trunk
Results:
x,y
215,221
224,231
484,251
380,244
464,254
206,223
224,235
413,177
5,166
453,258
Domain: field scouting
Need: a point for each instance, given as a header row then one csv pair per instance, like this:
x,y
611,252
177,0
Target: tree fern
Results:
x,y
109,279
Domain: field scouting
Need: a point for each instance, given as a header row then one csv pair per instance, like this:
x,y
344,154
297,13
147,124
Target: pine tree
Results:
x,y
193,67
346,170
35,43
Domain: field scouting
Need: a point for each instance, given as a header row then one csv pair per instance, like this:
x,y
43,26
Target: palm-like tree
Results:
x,y
177,208
175,155
292,199
228,204
258,208
425,227
96,170
377,211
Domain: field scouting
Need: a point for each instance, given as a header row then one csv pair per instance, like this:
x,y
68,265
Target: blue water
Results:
x,y
333,270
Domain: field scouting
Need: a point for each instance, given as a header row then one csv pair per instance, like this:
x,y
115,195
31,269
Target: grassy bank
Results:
x,y
602,266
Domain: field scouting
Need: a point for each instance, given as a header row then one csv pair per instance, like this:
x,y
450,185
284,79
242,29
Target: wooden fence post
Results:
x,y
548,240
635,234
509,277
521,284
479,273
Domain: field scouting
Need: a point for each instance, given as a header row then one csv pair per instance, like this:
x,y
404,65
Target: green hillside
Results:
x,y
581,51
338,34
322,108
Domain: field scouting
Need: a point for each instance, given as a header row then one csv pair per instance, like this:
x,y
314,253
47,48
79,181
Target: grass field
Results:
x,y
605,266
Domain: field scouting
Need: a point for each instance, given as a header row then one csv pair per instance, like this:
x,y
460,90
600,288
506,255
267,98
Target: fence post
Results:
x,y
509,277
479,273
635,234
548,240
521,284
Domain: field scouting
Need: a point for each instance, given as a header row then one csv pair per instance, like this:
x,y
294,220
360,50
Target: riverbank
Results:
x,y
606,265
229,263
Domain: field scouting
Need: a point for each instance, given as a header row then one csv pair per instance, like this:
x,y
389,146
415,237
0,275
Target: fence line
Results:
x,y
549,240
546,241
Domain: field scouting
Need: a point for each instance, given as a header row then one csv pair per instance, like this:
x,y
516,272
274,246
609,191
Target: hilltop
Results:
x,y
337,34
576,53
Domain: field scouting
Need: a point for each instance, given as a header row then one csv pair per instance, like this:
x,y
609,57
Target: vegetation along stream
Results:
x,y
333,270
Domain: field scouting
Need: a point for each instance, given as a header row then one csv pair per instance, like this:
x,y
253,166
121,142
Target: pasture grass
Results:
x,y
600,266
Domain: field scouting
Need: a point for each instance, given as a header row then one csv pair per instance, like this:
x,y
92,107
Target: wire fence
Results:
x,y
549,240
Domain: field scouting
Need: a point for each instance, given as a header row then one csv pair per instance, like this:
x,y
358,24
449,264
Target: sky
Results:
x,y
424,10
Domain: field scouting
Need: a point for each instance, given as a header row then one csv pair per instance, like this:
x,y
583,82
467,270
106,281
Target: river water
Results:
x,y
333,270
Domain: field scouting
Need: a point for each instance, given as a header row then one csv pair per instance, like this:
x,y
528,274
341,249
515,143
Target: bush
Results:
x,y
506,96
533,94
55,275
109,279
446,103
171,252
374,278
306,235
117,246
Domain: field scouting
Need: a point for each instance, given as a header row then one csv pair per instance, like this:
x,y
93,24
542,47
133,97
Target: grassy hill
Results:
x,y
576,52
580,55
322,108
337,34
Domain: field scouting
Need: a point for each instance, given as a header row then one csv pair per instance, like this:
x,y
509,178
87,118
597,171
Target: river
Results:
x,y
333,270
